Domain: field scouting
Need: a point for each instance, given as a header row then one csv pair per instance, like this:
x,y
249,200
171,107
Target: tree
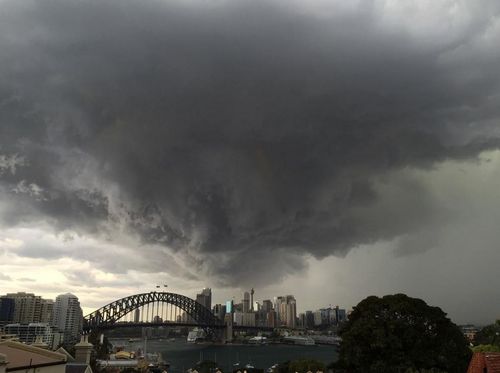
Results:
x,y
490,334
306,365
301,366
397,333
486,348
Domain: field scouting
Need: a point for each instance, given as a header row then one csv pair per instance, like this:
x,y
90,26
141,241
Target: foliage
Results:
x,y
490,334
486,348
206,366
396,333
305,365
103,350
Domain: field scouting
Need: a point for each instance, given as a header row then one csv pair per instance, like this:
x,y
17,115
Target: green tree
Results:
x,y
397,333
486,348
490,334
305,365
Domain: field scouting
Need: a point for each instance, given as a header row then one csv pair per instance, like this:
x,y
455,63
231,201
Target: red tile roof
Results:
x,y
482,360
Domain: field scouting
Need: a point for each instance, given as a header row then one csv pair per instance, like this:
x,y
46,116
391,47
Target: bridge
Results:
x,y
156,309
151,308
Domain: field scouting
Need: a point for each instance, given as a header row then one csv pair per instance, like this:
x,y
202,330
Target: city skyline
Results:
x,y
331,150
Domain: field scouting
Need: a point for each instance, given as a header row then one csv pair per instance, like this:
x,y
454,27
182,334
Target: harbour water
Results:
x,y
182,355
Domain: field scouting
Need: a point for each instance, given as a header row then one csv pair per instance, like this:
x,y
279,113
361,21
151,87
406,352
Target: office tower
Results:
x,y
267,305
272,321
291,312
68,317
341,315
219,311
318,320
309,319
205,298
286,308
246,302
302,320
137,315
229,306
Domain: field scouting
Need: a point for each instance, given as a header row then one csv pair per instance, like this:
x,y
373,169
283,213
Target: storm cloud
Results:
x,y
238,134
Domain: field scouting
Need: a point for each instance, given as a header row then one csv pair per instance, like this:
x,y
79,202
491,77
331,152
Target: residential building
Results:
x,y
28,333
68,317
28,308
7,306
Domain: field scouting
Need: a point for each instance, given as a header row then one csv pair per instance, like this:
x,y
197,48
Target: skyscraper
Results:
x,y
137,315
246,302
291,312
286,308
267,305
68,316
205,298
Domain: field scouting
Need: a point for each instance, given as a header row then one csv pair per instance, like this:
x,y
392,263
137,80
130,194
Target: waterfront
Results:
x,y
182,355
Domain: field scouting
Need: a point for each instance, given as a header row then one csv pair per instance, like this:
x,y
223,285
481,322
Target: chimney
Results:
x,y
83,350
40,343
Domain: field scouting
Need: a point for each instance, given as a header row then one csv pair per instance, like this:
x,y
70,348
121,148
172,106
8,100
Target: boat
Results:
x,y
272,369
299,340
258,340
196,335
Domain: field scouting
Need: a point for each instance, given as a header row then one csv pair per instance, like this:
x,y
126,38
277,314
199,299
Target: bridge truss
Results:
x,y
154,308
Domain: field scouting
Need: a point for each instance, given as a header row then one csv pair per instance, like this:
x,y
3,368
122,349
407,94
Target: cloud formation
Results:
x,y
211,134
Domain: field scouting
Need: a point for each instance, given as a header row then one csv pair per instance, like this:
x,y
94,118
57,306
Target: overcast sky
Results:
x,y
328,149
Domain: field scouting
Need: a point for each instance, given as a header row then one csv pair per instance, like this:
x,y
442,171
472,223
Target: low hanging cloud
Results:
x,y
239,134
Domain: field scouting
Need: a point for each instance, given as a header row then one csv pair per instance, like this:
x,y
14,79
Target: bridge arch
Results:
x,y
107,316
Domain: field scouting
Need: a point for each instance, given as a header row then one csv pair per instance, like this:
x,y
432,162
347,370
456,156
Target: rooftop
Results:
x,y
21,356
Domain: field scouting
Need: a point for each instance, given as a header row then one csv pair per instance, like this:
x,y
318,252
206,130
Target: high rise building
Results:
x,y
272,321
229,306
7,306
309,320
68,317
219,311
286,308
302,320
252,292
205,298
137,315
267,305
28,308
246,302
291,312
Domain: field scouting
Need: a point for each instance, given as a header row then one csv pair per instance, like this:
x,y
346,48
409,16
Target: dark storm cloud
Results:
x,y
245,131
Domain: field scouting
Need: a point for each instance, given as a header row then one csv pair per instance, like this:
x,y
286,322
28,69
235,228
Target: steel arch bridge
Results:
x,y
106,317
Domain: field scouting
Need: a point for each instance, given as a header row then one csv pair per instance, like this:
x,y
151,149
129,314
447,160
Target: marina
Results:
x,y
181,355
